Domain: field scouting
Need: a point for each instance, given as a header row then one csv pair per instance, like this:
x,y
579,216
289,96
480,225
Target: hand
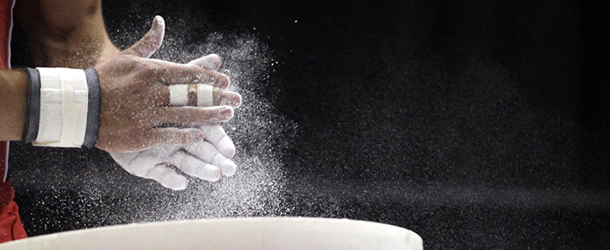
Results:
x,y
207,159
135,111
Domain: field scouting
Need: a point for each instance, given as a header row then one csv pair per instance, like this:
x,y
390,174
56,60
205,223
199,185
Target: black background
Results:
x,y
476,124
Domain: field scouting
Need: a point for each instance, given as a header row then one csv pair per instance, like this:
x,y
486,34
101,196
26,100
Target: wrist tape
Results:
x,y
63,107
200,95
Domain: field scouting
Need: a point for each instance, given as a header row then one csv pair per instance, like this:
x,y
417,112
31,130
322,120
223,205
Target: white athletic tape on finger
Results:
x,y
205,95
178,95
63,107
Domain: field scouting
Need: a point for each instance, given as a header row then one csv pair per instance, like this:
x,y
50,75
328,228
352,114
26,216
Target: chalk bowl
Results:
x,y
264,233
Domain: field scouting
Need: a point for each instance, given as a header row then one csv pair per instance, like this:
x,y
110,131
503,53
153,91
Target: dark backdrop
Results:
x,y
477,125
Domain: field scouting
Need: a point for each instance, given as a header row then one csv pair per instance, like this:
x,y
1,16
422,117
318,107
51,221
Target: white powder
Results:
x,y
90,190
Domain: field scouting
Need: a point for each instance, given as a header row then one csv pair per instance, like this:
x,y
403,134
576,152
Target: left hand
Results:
x,y
208,160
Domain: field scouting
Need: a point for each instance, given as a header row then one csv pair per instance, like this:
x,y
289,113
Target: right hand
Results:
x,y
208,159
135,111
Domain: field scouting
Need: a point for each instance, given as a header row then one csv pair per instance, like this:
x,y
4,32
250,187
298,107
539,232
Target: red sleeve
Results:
x,y
11,227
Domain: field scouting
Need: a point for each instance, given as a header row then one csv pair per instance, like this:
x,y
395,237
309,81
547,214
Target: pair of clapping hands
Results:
x,y
146,134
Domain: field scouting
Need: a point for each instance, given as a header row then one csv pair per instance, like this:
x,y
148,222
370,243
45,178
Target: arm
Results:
x,y
68,33
71,33
13,104
60,41
60,34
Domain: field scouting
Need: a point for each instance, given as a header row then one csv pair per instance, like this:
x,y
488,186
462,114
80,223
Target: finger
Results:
x,y
139,166
211,62
147,164
195,167
173,136
167,177
173,73
227,167
228,98
164,151
193,116
181,97
208,153
149,42
217,136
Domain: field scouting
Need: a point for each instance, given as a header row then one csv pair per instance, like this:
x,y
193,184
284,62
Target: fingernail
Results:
x,y
233,101
159,20
216,60
226,147
226,113
237,100
229,168
225,82
210,173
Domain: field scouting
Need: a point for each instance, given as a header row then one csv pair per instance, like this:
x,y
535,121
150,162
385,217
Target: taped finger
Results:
x,y
201,95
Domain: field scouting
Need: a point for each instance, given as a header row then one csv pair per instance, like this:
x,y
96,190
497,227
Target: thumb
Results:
x,y
150,42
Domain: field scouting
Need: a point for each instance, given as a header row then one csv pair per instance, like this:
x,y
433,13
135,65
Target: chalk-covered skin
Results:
x,y
135,111
135,98
207,159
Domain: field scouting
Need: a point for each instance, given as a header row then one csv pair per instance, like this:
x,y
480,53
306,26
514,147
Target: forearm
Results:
x,y
13,104
68,33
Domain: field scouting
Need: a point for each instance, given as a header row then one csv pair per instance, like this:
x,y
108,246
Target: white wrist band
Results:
x,y
179,95
63,107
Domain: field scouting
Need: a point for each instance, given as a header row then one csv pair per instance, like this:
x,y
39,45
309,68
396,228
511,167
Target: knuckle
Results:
x,y
154,43
158,98
148,69
128,59
193,68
